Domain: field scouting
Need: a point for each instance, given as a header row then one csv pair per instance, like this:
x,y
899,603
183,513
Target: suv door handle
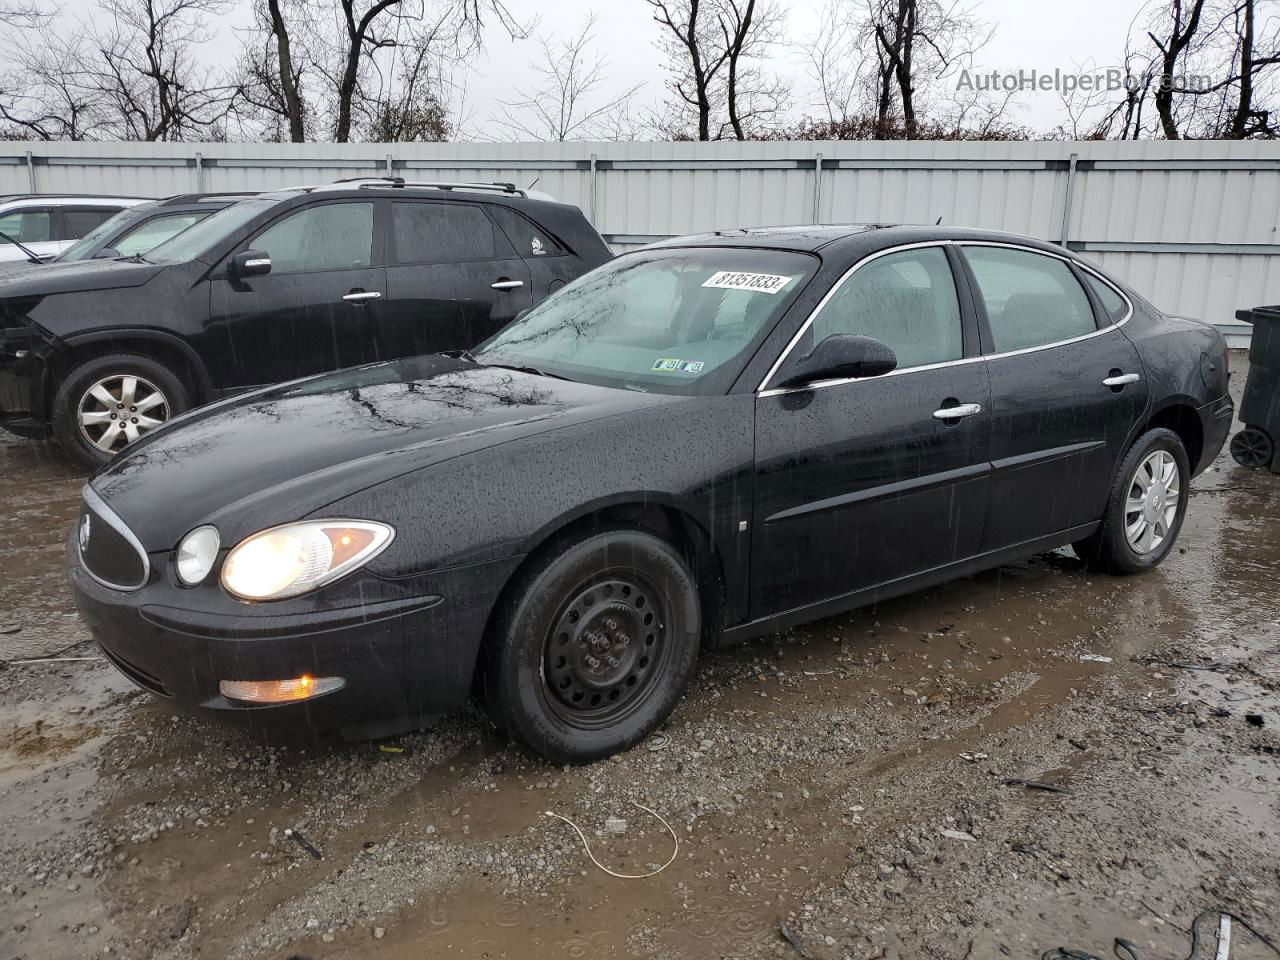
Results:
x,y
362,296
958,411
1121,379
506,284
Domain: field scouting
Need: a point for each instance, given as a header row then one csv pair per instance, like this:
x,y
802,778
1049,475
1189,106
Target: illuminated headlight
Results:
x,y
292,559
197,554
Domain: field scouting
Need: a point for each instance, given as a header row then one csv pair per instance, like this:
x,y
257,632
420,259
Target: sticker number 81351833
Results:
x,y
756,282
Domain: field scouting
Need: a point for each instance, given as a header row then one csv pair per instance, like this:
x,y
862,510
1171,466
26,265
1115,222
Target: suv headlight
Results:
x,y
292,559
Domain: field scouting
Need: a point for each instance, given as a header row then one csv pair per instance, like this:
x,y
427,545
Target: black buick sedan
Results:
x,y
698,442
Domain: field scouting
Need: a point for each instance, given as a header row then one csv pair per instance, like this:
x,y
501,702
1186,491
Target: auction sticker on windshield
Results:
x,y
758,282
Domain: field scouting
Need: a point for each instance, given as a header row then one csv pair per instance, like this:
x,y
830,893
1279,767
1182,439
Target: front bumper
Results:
x,y
1215,425
22,378
403,659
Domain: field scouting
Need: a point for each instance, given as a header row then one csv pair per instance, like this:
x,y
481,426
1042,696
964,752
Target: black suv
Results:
x,y
272,288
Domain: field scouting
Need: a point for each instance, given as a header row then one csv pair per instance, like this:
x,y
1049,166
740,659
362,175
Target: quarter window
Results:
x,y
1113,304
530,242
332,236
445,232
1031,299
906,300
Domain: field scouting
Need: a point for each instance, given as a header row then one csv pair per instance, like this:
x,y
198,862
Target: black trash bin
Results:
x,y
1256,445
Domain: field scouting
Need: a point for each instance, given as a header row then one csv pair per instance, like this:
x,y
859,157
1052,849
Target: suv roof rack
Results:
x,y
399,182
206,197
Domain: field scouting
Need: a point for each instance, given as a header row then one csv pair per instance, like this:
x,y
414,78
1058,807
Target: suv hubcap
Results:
x,y
117,410
1152,501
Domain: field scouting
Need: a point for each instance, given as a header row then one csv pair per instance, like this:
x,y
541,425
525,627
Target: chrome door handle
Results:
x,y
958,411
506,285
1121,380
362,296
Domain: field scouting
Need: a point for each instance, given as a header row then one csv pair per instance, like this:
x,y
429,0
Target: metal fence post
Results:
x,y
1067,198
591,193
199,173
817,189
391,165
31,173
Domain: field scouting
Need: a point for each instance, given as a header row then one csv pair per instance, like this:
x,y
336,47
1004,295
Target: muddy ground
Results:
x,y
837,792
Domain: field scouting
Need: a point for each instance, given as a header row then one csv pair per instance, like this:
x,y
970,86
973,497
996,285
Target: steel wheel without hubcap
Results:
x,y
1151,503
1252,448
117,410
605,650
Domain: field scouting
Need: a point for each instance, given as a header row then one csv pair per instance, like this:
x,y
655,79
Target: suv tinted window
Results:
x,y
332,236
907,300
27,226
528,240
1112,303
1031,299
76,223
428,232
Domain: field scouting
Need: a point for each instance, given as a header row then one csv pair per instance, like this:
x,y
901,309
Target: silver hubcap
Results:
x,y
1152,501
117,410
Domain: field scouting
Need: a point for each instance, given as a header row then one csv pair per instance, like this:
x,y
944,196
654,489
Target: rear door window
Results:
x,y
32,225
530,241
1032,299
77,223
427,232
331,236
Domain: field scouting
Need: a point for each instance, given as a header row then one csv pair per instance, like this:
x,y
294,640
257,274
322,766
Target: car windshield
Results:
x,y
683,320
196,240
85,247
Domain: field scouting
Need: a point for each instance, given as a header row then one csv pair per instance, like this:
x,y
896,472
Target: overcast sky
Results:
x,y
1029,34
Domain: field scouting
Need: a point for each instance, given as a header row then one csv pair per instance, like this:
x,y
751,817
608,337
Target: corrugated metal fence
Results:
x,y
1192,225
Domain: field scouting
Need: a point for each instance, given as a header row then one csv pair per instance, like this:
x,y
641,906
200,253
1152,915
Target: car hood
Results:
x,y
81,276
278,454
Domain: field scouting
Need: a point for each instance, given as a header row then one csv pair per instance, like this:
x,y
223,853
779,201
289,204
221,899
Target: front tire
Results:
x,y
1145,509
104,404
593,646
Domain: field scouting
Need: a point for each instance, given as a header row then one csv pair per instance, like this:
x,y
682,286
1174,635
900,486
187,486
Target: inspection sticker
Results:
x,y
672,365
758,282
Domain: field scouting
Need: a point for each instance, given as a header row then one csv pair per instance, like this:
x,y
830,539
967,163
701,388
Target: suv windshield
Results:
x,y
195,240
681,320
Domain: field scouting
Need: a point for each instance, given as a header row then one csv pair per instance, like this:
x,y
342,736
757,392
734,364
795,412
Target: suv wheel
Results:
x,y
106,403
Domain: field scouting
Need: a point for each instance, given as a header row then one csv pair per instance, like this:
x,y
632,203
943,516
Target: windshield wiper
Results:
x,y
31,256
520,368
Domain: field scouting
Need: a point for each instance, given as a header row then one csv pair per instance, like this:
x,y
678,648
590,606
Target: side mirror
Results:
x,y
250,263
840,357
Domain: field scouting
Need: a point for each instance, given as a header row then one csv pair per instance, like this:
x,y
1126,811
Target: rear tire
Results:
x,y
1145,508
1252,448
594,646
104,404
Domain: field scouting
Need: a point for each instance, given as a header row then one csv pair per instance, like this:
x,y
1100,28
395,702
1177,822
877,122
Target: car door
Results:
x,y
452,279
863,482
1066,388
316,310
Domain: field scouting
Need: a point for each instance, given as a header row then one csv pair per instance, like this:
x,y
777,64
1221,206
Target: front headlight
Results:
x,y
297,557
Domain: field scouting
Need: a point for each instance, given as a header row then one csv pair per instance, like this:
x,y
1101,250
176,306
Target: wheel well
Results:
x,y
169,354
1185,422
676,528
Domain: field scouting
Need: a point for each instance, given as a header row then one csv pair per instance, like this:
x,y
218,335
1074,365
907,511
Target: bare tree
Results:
x,y
567,102
713,50
834,61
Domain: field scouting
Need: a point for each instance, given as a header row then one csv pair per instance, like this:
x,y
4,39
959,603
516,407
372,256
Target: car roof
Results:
x,y
11,201
848,238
